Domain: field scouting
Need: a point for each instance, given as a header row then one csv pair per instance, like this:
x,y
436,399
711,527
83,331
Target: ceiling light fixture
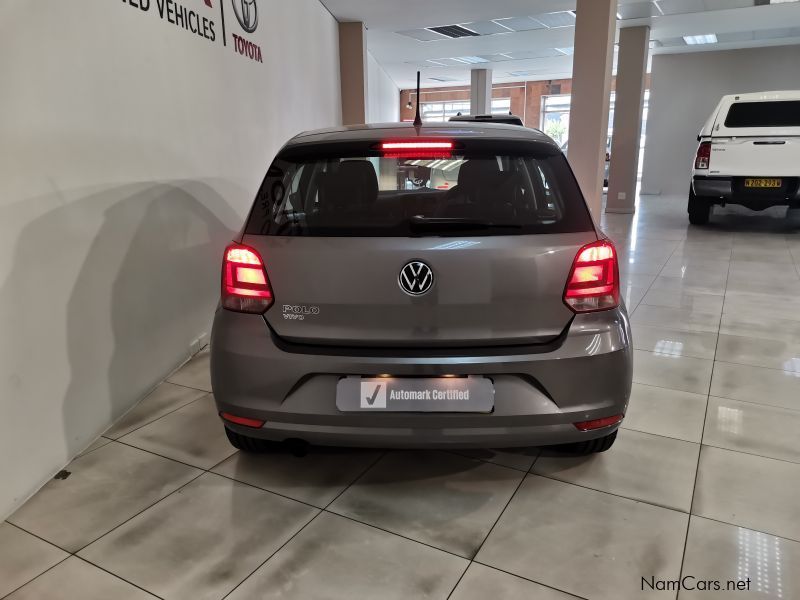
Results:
x,y
694,40
472,60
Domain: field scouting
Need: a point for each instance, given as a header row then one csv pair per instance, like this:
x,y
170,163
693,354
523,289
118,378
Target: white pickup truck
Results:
x,y
749,154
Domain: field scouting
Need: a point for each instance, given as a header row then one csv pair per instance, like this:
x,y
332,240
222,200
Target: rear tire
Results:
x,y
249,444
589,446
699,209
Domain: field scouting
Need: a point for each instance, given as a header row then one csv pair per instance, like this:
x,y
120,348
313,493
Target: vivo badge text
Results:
x,y
404,394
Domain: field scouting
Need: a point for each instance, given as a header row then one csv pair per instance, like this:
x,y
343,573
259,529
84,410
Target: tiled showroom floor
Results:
x,y
704,479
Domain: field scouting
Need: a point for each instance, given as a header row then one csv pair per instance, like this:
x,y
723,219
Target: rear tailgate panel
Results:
x,y
487,289
769,156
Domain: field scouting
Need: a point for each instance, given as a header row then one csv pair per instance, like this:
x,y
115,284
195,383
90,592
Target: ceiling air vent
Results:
x,y
454,31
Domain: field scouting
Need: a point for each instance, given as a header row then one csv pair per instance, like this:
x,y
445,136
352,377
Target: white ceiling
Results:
x,y
542,52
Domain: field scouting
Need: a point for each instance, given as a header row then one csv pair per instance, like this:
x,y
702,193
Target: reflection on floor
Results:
x,y
704,479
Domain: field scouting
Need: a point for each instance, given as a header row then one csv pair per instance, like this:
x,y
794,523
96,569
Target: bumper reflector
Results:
x,y
236,420
598,423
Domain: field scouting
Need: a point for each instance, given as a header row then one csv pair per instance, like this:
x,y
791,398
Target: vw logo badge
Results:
x,y
246,13
415,278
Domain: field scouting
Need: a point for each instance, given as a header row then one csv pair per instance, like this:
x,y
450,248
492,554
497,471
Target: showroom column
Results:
x,y
480,92
634,46
353,72
595,27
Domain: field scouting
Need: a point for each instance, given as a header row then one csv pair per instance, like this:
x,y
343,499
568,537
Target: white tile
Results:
x,y
166,398
75,579
193,435
777,287
699,284
681,264
202,541
759,352
710,304
755,304
586,542
675,372
316,478
23,557
481,582
762,271
515,458
755,254
763,325
640,280
665,340
632,295
439,498
104,489
723,552
642,267
639,466
754,428
195,373
666,412
749,491
334,557
677,318
756,384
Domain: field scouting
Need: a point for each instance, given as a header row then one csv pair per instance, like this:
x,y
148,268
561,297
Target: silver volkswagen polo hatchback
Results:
x,y
441,285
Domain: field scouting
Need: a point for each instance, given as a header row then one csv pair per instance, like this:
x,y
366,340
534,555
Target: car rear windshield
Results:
x,y
782,113
374,195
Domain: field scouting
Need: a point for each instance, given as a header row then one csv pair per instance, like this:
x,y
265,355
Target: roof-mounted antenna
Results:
x,y
417,117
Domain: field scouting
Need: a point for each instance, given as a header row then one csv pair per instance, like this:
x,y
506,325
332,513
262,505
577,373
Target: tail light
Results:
x,y
245,285
703,156
593,282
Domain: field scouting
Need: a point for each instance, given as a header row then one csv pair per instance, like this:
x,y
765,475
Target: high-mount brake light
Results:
x,y
245,284
593,282
703,159
417,148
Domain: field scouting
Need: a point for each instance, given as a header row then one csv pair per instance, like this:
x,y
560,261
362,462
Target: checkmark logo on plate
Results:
x,y
373,394
371,400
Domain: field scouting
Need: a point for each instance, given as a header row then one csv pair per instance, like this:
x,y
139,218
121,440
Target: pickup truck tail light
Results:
x,y
703,158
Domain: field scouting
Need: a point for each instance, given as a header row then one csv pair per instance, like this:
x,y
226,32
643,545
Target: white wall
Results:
x,y
383,96
685,89
130,150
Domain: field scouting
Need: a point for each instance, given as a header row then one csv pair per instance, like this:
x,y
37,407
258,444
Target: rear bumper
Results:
x,y
731,190
538,395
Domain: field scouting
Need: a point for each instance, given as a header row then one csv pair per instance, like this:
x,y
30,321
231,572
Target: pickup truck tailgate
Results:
x,y
777,156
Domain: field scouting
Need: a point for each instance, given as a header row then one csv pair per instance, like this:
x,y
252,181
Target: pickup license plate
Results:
x,y
762,183
415,394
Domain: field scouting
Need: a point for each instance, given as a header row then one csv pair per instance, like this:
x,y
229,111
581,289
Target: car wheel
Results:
x,y
249,444
589,446
699,209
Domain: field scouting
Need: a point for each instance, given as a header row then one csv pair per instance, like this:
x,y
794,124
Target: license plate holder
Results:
x,y
415,394
762,183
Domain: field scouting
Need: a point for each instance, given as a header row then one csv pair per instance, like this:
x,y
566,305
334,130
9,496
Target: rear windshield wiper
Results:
x,y
422,222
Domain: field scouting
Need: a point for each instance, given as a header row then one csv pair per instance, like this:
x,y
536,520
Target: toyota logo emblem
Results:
x,y
415,278
246,13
